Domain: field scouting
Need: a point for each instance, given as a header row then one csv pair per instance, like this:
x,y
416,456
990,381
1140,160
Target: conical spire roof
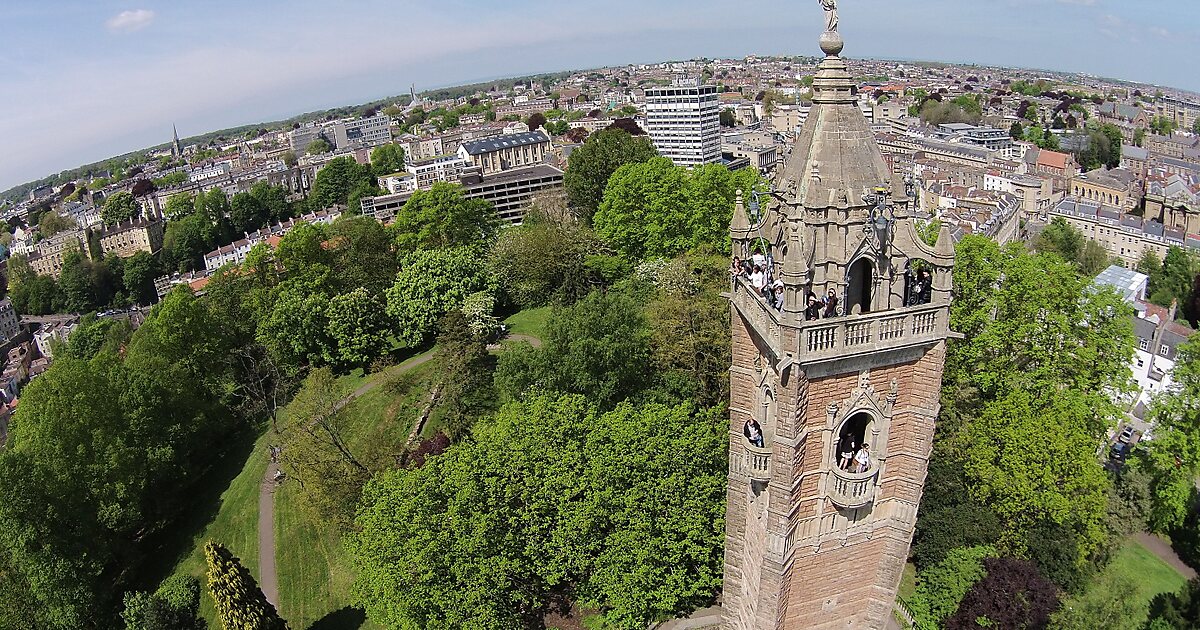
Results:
x,y
835,159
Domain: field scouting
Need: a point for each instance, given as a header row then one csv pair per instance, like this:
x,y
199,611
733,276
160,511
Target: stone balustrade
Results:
x,y
839,337
759,460
851,490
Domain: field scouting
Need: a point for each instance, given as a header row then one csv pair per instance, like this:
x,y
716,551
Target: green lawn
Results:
x,y
1152,576
530,321
313,567
315,574
230,517
1137,566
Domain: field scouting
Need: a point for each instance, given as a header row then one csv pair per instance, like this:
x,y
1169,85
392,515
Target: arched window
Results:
x,y
918,283
854,452
858,286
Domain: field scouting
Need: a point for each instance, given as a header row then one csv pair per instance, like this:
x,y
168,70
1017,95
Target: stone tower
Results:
x,y
810,544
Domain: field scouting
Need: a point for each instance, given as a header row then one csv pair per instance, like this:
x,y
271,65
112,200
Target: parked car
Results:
x,y
1119,452
1126,435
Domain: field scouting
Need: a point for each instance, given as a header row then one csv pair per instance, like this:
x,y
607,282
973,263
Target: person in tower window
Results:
x,y
753,432
846,453
926,287
862,459
813,310
831,303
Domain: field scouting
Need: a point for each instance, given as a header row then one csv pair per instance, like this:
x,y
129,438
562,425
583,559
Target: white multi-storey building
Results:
x,y
684,122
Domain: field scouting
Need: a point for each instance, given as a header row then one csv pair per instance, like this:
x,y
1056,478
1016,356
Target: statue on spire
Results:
x,y
831,16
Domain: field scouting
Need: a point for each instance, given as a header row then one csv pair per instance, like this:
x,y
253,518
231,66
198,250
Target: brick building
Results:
x,y
808,544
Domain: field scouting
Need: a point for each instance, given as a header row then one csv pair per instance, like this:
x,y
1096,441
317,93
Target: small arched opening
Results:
x,y
854,453
918,283
858,286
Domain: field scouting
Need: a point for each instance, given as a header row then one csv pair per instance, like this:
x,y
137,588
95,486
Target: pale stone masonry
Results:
x,y
809,545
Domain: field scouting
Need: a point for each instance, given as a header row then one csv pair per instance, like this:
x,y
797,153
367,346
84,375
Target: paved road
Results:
x,y
268,578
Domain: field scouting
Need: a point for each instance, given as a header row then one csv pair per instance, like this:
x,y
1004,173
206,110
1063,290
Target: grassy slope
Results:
x,y
231,520
529,322
314,569
1152,576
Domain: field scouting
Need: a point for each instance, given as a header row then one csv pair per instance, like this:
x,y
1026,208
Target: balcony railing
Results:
x,y
839,337
759,460
852,490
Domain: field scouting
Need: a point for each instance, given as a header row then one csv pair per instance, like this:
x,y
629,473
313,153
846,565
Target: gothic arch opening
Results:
x,y
859,283
918,282
854,453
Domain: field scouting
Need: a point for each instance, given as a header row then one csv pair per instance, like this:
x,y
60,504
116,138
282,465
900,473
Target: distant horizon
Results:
x,y
214,67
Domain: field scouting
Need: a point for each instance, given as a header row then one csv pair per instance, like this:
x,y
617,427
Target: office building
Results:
x,y
684,122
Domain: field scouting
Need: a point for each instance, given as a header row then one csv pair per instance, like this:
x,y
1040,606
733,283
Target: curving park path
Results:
x,y
268,578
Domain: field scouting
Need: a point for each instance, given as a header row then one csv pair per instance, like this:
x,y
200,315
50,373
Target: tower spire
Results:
x,y
840,387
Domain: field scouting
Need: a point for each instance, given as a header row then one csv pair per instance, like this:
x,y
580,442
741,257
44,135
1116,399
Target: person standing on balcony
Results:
x,y
813,311
847,453
862,459
753,432
758,279
831,303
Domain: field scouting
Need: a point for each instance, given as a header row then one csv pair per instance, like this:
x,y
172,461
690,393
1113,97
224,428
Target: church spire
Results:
x,y
176,150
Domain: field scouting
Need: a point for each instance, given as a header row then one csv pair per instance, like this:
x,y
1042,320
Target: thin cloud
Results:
x,y
130,21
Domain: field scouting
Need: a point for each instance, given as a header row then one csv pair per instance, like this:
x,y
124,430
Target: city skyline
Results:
x,y
111,77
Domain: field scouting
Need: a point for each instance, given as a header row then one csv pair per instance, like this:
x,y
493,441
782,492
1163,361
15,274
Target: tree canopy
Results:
x,y
624,509
591,165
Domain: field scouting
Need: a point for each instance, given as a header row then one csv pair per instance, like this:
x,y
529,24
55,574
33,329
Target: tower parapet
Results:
x,y
835,378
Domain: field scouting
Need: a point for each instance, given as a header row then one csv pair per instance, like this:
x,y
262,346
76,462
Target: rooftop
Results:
x,y
496,143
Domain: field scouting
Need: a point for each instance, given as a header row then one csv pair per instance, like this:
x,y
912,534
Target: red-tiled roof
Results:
x,y
1053,159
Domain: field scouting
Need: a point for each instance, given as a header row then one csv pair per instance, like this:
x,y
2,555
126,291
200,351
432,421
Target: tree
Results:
x,y
545,258
598,348
590,166
1016,131
432,283
76,282
174,606
1175,281
1162,125
1012,595
337,179
1181,610
273,199
1093,259
1061,239
357,327
387,159
248,214
179,205
536,121
296,329
441,217
186,242
289,159
52,223
727,118
657,209
120,206
239,602
622,509
1108,600
466,385
1173,456
315,451
319,146
941,587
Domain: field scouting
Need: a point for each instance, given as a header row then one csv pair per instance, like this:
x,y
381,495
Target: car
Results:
x,y
1126,435
1119,451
